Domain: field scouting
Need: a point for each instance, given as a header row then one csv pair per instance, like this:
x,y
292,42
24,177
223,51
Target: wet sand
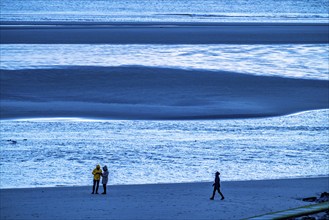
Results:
x,y
243,199
133,92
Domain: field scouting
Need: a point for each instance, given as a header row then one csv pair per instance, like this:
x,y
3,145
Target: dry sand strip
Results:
x,y
161,33
243,199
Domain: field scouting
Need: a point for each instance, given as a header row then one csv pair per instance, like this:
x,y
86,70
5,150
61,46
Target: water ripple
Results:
x,y
289,60
162,151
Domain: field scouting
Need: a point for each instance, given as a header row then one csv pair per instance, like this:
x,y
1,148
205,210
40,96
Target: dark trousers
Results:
x,y
96,184
104,188
214,192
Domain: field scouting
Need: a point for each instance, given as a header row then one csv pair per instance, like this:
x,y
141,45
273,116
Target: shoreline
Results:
x,y
86,119
160,23
161,33
243,199
171,183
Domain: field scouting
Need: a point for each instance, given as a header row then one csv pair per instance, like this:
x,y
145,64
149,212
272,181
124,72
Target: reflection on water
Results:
x,y
296,60
53,152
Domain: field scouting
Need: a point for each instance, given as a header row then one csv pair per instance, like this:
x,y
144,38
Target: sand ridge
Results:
x,y
136,92
161,33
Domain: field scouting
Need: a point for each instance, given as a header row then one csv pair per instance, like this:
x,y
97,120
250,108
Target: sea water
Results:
x,y
166,10
308,61
52,152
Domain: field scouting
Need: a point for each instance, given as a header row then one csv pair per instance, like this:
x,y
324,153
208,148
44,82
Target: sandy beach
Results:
x,y
161,33
243,199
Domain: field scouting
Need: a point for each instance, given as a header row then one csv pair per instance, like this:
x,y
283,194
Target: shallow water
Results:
x,y
166,10
53,152
308,61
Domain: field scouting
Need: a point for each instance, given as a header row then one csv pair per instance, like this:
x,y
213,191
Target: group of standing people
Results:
x,y
98,173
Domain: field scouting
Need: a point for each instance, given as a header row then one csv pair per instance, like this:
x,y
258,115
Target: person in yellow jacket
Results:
x,y
97,176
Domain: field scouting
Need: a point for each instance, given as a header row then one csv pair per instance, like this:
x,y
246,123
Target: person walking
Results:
x,y
97,172
216,186
105,178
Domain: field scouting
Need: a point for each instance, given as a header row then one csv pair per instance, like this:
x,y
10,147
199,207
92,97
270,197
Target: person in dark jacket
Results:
x,y
105,178
216,186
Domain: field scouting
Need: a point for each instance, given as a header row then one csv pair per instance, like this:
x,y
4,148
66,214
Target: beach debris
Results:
x,y
12,141
316,216
324,197
308,218
309,199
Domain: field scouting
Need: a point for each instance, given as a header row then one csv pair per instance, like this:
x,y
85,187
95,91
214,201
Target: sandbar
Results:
x,y
136,92
161,33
